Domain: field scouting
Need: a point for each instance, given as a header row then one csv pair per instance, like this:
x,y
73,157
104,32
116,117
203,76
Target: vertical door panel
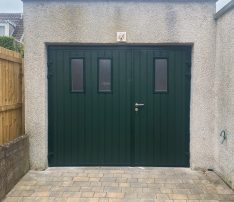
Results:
x,y
90,127
160,137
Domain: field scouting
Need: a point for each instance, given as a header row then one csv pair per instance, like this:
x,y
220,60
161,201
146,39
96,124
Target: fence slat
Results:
x,y
10,107
11,96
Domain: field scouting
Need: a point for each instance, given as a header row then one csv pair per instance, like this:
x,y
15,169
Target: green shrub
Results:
x,y
11,44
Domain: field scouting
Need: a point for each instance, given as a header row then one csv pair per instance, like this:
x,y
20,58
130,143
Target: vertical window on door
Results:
x,y
77,75
160,75
104,76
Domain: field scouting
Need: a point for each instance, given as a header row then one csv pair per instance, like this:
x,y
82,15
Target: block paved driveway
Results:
x,y
121,184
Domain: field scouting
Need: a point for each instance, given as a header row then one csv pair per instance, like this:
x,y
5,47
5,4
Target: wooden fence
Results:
x,y
11,96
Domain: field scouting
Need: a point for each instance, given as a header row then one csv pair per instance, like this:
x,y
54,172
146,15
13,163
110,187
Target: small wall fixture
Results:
x,y
121,36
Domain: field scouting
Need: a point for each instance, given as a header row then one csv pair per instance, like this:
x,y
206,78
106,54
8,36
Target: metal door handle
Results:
x,y
139,104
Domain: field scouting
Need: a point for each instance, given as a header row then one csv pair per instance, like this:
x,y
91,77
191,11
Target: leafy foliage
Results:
x,y
11,44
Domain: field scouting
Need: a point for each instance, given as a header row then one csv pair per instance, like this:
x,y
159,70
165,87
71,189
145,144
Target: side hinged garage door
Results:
x,y
119,105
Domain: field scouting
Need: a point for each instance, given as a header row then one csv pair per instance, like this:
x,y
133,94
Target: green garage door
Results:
x,y
118,105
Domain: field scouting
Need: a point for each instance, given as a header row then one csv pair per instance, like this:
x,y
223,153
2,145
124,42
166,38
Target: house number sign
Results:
x,y
121,36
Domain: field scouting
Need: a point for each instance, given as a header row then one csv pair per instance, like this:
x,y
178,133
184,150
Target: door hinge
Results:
x,y
188,71
188,64
188,75
50,75
50,157
50,70
49,63
50,154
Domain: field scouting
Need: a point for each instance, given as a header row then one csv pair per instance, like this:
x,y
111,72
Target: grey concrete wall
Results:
x,y
224,85
155,22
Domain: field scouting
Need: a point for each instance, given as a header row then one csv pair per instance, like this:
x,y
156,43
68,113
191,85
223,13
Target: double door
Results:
x,y
118,105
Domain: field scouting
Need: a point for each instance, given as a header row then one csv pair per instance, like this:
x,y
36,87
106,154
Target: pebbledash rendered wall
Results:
x,y
224,92
147,21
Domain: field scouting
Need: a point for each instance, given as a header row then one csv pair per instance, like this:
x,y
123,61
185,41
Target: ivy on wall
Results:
x,y
11,44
